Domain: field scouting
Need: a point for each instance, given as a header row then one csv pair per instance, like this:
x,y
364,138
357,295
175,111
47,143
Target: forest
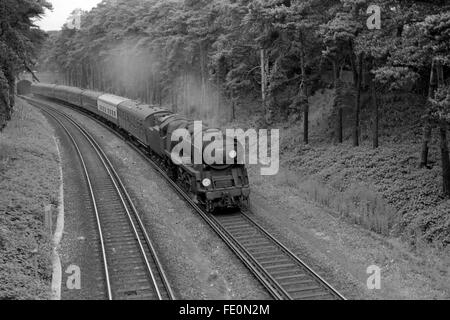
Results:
x,y
226,61
358,90
211,55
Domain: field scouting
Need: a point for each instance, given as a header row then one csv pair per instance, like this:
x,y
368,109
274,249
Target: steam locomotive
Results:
x,y
215,186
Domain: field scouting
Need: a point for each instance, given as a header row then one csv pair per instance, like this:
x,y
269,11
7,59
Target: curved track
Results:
x,y
283,274
132,270
280,271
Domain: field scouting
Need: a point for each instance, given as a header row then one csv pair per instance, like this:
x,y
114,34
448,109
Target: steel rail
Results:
x,y
126,201
294,256
94,203
259,271
141,225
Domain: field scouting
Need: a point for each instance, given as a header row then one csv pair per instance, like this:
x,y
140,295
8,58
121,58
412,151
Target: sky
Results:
x,y
54,20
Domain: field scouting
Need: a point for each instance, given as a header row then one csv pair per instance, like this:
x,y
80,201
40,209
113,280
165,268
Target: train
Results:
x,y
215,186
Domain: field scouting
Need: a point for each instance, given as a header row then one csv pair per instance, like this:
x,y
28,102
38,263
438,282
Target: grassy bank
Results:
x,y
382,190
29,180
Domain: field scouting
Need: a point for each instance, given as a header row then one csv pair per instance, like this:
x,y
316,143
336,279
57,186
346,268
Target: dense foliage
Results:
x,y
213,56
19,40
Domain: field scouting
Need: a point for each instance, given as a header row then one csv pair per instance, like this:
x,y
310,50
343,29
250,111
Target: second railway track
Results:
x,y
280,271
284,275
132,269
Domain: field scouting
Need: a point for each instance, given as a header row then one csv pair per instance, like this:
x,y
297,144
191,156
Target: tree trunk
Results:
x,y
356,129
72,77
376,118
85,75
426,138
9,94
353,65
185,104
91,76
304,93
150,97
12,99
439,73
4,101
174,100
203,76
337,102
306,124
219,85
264,72
445,160
233,110
340,125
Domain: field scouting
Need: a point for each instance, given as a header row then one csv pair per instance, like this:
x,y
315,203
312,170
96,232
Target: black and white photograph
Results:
x,y
224,155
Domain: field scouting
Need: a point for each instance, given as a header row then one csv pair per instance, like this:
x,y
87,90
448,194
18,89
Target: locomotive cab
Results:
x,y
154,130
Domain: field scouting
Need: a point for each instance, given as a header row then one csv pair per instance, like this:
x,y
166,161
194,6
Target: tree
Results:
x,y
420,51
5,112
440,111
19,40
298,22
258,21
339,34
408,54
375,45
437,30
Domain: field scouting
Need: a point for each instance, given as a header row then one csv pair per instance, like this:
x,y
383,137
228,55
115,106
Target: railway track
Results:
x,y
283,274
132,269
